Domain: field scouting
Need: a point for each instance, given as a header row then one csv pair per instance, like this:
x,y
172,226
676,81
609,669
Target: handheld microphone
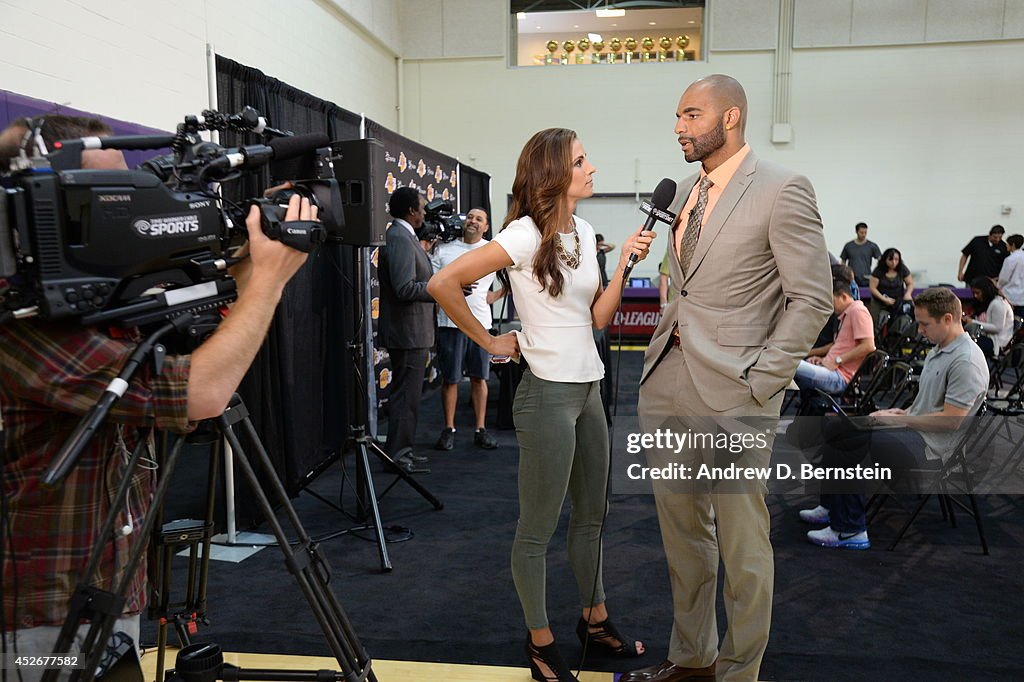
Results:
x,y
656,209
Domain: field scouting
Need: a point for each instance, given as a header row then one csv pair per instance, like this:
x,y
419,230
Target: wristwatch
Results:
x,y
839,360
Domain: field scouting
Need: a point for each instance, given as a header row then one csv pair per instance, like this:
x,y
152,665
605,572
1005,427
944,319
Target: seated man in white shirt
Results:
x,y
854,341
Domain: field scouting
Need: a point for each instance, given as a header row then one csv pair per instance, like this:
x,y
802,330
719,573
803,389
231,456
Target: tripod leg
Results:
x,y
334,623
400,472
371,501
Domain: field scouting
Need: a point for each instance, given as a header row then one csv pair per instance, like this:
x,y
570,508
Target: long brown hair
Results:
x,y
543,176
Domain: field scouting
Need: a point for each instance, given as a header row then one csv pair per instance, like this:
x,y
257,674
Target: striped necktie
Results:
x,y
689,243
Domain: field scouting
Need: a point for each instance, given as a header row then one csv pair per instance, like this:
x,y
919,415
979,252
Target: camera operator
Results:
x,y
406,322
54,372
454,347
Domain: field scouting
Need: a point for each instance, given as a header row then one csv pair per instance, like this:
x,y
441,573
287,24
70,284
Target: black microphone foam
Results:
x,y
299,148
297,145
661,199
664,193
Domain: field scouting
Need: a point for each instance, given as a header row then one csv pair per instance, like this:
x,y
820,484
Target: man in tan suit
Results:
x,y
754,288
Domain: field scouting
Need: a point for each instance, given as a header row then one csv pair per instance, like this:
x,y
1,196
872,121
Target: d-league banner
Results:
x,y
406,164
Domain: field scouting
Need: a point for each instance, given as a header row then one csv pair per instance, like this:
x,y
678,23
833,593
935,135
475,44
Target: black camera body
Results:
x,y
441,223
88,238
106,245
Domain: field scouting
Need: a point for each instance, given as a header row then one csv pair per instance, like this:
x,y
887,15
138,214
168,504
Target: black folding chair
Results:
x,y
954,479
866,383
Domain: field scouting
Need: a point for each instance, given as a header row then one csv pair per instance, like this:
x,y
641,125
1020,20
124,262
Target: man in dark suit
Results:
x,y
406,322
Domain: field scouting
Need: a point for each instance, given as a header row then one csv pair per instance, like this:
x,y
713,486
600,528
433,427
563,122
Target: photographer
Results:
x,y
454,347
52,373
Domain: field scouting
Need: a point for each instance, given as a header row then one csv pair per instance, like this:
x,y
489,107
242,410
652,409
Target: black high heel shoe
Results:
x,y
604,634
549,656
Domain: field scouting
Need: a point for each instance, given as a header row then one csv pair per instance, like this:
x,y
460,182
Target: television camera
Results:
x,y
440,222
138,246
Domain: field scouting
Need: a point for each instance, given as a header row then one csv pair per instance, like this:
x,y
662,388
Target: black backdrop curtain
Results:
x,y
293,390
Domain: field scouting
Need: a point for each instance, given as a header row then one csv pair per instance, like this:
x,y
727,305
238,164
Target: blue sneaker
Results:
x,y
826,537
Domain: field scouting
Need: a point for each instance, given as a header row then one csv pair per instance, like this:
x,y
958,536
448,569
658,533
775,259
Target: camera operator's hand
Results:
x,y
272,259
220,363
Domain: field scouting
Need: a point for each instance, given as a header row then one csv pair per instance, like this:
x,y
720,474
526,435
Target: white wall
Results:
x,y
145,60
923,142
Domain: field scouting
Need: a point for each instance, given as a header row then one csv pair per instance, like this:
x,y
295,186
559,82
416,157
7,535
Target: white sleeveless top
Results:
x,y
557,339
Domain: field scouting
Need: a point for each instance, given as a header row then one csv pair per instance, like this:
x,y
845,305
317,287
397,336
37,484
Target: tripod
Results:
x,y
362,424
307,565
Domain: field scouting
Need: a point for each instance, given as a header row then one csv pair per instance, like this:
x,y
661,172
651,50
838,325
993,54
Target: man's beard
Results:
x,y
707,144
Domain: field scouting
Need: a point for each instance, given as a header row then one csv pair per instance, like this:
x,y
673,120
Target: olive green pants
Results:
x,y
563,447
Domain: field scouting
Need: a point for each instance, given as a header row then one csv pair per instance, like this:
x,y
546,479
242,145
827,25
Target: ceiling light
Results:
x,y
575,25
652,23
691,22
609,13
594,37
520,15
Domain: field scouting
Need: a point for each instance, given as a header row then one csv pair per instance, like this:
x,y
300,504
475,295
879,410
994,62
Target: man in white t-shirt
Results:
x,y
1011,275
454,348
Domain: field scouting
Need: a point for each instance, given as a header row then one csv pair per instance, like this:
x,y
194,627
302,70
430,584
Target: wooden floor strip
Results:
x,y
386,671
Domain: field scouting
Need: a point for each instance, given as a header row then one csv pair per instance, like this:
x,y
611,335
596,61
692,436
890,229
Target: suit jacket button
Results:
x,y
682,292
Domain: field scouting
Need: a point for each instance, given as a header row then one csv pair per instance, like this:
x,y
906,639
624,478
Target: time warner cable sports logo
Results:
x,y
157,227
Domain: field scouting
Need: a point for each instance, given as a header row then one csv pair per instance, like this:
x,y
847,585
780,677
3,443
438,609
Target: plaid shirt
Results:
x,y
50,375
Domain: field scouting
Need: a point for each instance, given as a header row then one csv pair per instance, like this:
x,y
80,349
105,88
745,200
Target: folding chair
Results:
x,y
1011,361
903,383
866,383
954,478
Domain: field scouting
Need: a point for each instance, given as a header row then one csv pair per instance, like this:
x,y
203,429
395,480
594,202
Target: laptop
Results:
x,y
859,422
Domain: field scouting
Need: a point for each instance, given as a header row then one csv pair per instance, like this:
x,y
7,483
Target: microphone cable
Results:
x,y
607,483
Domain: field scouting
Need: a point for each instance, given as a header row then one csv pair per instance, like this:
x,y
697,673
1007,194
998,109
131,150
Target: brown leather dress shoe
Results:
x,y
667,671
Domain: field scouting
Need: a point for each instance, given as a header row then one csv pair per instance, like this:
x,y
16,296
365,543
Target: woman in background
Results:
x,y
890,283
994,315
551,260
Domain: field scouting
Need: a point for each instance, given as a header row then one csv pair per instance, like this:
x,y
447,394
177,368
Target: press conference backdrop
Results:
x,y
407,163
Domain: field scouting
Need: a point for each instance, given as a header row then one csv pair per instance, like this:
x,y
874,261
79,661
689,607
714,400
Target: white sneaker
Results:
x,y
817,516
826,537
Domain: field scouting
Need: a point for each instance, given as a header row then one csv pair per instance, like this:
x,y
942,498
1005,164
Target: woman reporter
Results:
x,y
551,260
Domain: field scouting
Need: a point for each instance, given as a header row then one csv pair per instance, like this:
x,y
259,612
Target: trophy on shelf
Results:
x,y
648,44
630,48
682,42
569,46
583,44
549,58
664,43
615,45
595,57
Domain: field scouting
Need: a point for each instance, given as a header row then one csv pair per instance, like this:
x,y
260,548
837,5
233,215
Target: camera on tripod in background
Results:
x,y
441,223
134,246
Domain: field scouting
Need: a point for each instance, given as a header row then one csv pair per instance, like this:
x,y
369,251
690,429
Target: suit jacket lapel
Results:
x,y
723,208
